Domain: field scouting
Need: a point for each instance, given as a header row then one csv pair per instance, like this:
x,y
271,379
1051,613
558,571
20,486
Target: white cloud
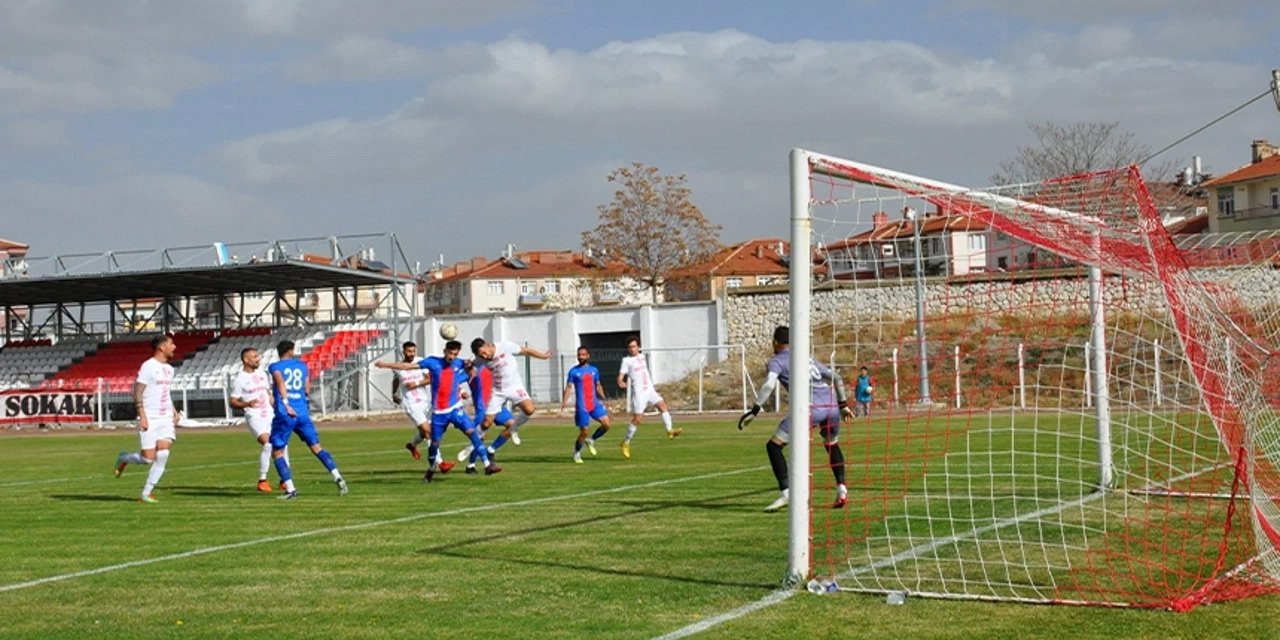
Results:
x,y
522,134
136,211
78,83
34,135
361,57
66,56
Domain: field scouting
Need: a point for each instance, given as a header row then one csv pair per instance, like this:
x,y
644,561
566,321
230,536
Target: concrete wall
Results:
x,y
751,317
668,325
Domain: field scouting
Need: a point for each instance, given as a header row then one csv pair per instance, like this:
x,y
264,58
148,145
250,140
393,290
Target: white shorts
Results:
x,y
642,399
501,397
158,428
419,412
258,425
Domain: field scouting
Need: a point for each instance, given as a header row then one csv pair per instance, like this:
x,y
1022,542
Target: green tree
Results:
x,y
651,227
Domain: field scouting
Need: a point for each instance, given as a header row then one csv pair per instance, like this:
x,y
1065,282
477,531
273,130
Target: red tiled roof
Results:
x,y
1264,168
931,225
753,257
1188,226
6,245
540,264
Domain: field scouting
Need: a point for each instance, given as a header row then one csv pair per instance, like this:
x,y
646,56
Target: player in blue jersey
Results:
x,y
291,388
827,407
446,375
862,390
481,392
584,382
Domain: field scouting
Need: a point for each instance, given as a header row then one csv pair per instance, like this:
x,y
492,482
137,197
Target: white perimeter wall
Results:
x,y
666,325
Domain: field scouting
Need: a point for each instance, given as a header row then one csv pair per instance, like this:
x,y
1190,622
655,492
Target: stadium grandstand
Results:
x,y
83,323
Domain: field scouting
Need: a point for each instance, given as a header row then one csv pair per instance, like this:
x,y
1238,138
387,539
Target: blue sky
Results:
x,y
464,125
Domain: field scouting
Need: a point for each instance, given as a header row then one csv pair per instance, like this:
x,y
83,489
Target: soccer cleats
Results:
x,y
591,446
465,453
780,503
626,449
120,463
264,486
342,486
413,450
492,469
674,433
515,438
148,499
289,495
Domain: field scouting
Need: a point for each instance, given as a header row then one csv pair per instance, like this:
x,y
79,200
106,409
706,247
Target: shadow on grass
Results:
x,y
216,492
85,497
456,549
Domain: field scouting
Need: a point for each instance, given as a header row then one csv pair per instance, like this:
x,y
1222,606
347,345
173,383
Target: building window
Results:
x,y
1227,201
977,242
732,283
551,286
1275,197
495,287
527,288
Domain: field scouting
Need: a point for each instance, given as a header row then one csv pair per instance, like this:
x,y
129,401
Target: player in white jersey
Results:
x,y
634,375
507,385
251,392
411,389
157,416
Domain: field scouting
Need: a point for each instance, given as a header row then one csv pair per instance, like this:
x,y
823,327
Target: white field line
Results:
x,y
178,469
914,552
358,527
698,627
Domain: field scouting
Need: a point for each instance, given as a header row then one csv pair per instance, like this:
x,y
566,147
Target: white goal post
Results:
x,y
1098,388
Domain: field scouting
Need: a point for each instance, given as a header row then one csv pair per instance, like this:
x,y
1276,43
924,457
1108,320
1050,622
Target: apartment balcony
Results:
x,y
1253,213
532,301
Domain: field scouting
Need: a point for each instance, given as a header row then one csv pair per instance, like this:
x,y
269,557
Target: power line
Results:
x,y
1220,118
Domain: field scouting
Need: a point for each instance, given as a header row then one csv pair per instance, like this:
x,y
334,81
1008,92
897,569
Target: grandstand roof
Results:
x,y
283,275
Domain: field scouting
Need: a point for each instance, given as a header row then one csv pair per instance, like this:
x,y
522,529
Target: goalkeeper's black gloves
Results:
x,y
748,416
846,414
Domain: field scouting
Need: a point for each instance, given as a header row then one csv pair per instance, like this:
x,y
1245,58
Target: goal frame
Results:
x,y
803,164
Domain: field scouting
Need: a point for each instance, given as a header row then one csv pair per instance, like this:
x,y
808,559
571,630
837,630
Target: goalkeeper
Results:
x,y
828,406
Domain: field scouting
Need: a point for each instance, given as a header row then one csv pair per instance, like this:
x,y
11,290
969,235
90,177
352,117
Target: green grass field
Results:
x,y
610,549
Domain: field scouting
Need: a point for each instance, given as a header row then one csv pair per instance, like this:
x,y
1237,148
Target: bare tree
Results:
x,y
651,227
1078,147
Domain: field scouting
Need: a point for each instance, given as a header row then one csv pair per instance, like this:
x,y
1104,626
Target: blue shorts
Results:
x,y
283,426
441,421
583,418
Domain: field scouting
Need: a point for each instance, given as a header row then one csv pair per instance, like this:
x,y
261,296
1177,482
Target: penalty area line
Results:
x,y
359,527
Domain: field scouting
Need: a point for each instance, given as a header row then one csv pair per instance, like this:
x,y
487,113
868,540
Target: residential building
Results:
x,y
1247,199
950,245
754,263
530,280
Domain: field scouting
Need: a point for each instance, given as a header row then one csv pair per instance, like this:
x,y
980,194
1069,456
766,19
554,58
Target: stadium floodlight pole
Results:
x,y
921,345
801,280
1098,342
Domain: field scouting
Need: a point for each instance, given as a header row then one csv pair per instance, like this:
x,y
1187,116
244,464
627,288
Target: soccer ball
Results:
x,y
448,331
